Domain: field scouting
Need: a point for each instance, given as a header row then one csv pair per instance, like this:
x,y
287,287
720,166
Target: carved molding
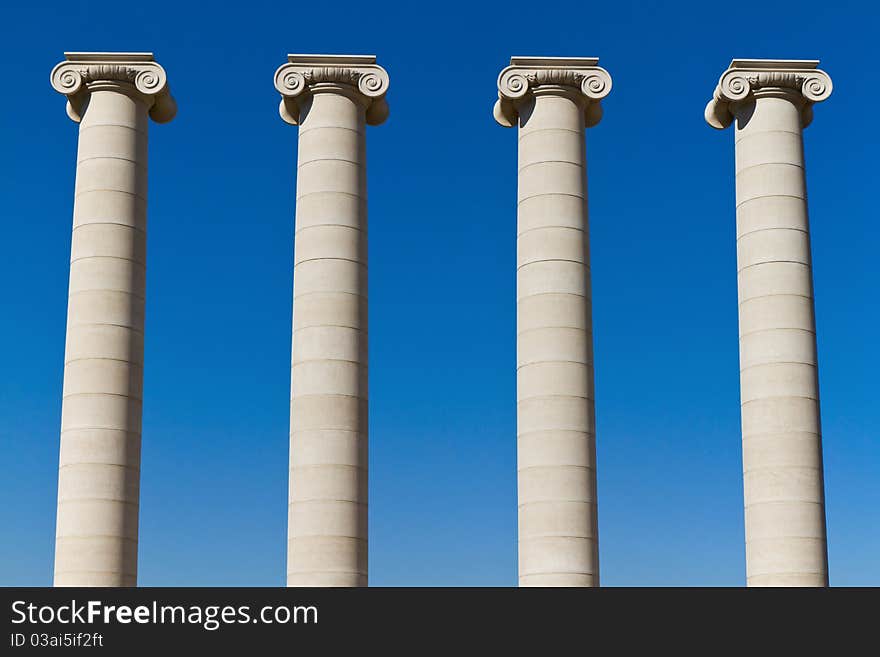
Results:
x,y
525,75
748,78
360,74
82,72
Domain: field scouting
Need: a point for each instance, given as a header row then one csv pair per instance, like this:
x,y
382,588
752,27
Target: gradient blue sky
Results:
x,y
442,185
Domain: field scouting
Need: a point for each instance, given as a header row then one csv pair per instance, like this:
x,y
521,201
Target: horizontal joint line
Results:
x,y
761,230
757,198
301,262
778,294
535,262
777,362
70,500
299,197
772,397
327,394
102,394
90,536
587,435
301,164
77,226
118,360
113,157
83,129
312,226
583,330
764,164
531,164
330,127
129,328
542,294
102,189
552,226
124,466
523,200
533,398
324,360
793,328
555,466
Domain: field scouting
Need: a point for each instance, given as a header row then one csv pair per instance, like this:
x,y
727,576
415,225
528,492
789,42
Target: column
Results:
x,y
331,98
771,101
552,100
111,96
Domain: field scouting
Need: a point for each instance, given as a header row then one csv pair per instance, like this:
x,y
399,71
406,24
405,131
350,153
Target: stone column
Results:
x,y
331,98
552,100
111,96
771,101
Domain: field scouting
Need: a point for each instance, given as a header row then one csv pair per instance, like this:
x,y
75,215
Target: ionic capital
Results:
x,y
135,73
303,75
747,79
527,76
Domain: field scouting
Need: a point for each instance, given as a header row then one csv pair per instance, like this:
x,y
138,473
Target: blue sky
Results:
x,y
442,186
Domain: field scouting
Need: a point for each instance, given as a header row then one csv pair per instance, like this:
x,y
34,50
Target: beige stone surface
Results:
x,y
770,102
332,98
551,101
111,96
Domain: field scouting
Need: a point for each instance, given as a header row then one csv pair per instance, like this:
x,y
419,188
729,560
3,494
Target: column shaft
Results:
x,y
782,447
556,454
98,484
327,542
